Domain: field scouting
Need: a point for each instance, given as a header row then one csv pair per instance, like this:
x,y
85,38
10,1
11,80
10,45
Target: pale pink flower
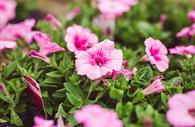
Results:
x,y
102,59
53,20
13,32
41,122
73,13
187,32
155,87
2,88
181,110
96,116
7,11
7,45
46,47
162,20
128,2
79,38
112,8
191,15
183,50
35,91
106,24
156,53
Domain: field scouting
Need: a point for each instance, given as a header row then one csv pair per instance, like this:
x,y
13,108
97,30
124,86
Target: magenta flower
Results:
x,y
156,53
181,110
106,24
13,32
7,11
102,59
53,20
112,8
7,45
40,122
191,15
46,47
155,87
96,116
73,13
187,32
79,38
183,50
35,91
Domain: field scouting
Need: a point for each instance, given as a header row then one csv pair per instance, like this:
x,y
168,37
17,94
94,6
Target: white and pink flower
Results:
x,y
79,38
156,53
181,110
7,45
46,47
183,50
187,32
191,15
53,20
101,59
7,11
96,116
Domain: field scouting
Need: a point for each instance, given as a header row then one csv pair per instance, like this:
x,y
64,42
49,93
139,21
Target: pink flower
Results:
x,y
191,15
7,11
53,20
79,38
106,24
7,45
35,91
181,110
156,53
96,116
2,88
13,32
128,2
155,87
102,59
112,8
73,13
187,32
46,47
40,122
183,50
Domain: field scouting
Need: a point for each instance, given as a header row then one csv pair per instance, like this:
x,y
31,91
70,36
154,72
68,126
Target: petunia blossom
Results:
x,y
183,50
73,13
7,11
46,47
13,32
101,59
79,38
53,20
41,122
191,15
181,110
112,8
156,53
7,45
187,32
96,116
155,87
35,91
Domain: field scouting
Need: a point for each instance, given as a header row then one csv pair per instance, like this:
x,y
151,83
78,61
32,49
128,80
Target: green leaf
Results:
x,y
9,69
116,94
74,90
55,74
60,112
15,119
74,100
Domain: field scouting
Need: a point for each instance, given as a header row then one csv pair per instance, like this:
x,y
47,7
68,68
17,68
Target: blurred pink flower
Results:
x,y
100,60
183,50
128,2
187,32
73,13
181,110
35,91
7,11
2,88
156,53
13,32
191,15
106,24
46,47
53,20
155,87
79,38
112,8
41,122
96,116
7,45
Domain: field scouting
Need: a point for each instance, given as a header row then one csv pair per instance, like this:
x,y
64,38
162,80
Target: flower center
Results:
x,y
98,58
154,52
192,112
80,43
2,7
